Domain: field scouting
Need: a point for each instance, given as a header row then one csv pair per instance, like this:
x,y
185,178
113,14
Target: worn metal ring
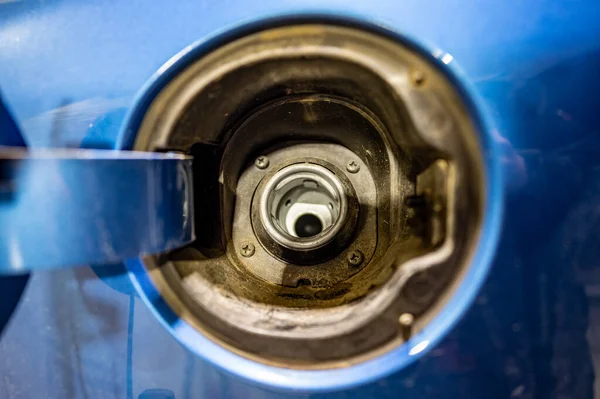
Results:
x,y
299,190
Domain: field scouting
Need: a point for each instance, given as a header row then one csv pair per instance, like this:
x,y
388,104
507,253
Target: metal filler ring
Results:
x,y
303,206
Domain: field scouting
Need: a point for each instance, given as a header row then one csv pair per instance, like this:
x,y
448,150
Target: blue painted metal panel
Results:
x,y
10,135
65,207
531,332
61,208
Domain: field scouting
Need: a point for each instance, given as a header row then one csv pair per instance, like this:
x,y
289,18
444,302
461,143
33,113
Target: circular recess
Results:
x,y
303,206
371,161
322,265
307,225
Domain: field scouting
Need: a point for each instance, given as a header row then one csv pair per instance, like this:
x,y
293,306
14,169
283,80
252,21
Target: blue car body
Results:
x,y
71,71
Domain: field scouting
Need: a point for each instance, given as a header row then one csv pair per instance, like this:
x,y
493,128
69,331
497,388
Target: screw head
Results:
x,y
352,166
417,78
262,162
355,258
247,250
406,319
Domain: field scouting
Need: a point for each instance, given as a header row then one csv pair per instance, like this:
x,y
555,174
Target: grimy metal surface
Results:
x,y
342,361
70,70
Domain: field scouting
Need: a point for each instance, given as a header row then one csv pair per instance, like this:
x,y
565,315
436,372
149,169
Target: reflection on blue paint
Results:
x,y
535,65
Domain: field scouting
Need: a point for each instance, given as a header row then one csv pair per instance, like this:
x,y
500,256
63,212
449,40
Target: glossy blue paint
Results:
x,y
532,332
9,131
63,208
